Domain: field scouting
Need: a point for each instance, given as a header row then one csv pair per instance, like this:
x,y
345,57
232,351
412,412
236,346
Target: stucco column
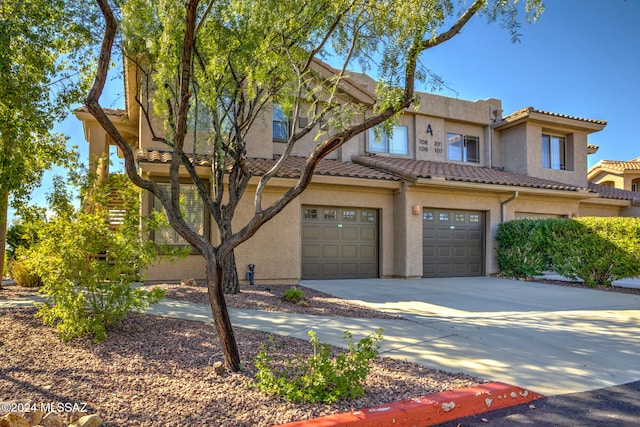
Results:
x,y
98,149
408,235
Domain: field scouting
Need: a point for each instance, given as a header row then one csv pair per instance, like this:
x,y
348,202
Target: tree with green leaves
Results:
x,y
233,59
44,52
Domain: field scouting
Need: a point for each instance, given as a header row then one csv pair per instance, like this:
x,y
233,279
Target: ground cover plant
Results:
x,y
159,371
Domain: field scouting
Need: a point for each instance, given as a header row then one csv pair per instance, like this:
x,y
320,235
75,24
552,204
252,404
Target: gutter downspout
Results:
x,y
503,209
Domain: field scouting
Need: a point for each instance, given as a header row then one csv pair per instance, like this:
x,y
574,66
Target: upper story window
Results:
x,y
396,143
199,117
193,212
281,126
463,148
554,152
635,185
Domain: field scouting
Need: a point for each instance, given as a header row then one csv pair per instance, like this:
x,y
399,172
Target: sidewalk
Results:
x,y
551,339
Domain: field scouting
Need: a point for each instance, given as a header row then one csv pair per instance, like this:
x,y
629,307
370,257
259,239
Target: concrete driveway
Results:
x,y
550,339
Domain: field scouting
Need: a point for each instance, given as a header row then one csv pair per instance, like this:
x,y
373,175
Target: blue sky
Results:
x,y
581,58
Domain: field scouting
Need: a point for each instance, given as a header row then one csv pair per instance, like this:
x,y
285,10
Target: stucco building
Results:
x,y
424,201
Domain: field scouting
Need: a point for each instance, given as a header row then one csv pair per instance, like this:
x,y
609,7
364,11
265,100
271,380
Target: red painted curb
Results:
x,y
429,410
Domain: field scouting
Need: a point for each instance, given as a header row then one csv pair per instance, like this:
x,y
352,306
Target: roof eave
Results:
x,y
443,182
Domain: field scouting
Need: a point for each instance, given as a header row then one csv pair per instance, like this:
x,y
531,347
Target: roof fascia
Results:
x,y
534,117
443,182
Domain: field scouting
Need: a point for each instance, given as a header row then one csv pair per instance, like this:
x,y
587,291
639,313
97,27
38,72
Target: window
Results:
x,y
280,124
368,216
349,215
192,212
199,118
396,143
554,152
463,148
635,185
330,214
311,213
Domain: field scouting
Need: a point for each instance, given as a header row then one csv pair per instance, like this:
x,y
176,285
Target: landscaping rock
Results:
x,y
92,420
13,420
219,368
76,415
35,417
52,419
188,282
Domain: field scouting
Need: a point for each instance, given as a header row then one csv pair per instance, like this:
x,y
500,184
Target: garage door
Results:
x,y
452,243
339,243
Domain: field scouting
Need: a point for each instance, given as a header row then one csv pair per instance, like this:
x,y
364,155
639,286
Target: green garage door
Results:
x,y
452,243
339,243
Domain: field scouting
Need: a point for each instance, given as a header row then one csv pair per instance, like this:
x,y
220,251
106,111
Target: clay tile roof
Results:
x,y
291,168
525,112
329,167
414,169
117,112
156,156
606,192
620,165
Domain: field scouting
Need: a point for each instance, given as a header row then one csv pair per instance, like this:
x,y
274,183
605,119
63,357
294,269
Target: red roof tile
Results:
x,y
109,111
396,169
291,168
619,165
523,112
414,169
607,192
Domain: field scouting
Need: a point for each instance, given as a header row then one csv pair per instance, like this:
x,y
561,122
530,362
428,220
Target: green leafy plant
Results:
x,y
87,264
293,295
320,377
520,250
24,274
594,250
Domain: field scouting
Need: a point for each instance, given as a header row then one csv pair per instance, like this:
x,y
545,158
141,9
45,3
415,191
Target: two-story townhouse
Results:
x,y
423,201
621,174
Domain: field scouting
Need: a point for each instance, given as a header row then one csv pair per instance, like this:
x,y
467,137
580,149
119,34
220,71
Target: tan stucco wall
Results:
x,y
361,197
520,151
608,177
599,209
276,248
509,150
633,210
450,198
478,112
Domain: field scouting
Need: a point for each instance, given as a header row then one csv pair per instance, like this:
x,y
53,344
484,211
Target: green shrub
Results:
x,y
320,378
594,250
87,268
293,295
23,274
520,250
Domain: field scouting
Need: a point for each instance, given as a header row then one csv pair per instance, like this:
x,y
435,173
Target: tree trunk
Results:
x,y
4,214
215,280
231,283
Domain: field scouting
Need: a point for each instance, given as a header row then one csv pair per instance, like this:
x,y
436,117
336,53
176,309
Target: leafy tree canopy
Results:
x,y
220,65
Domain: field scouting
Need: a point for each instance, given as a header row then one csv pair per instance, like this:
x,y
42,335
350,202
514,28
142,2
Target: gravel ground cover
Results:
x,y
269,298
154,371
